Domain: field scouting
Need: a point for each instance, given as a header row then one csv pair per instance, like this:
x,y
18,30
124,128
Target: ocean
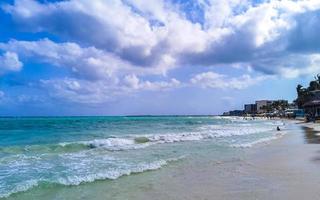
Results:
x,y
40,157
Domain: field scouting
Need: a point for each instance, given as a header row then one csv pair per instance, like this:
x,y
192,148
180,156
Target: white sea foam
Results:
x,y
238,130
21,187
88,177
116,144
259,141
202,133
114,174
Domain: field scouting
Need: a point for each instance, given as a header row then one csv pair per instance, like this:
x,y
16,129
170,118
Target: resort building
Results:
x,y
250,108
312,107
294,113
261,104
312,110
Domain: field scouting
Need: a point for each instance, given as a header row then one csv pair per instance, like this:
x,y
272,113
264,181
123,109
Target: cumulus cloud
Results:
x,y
151,34
88,63
121,31
9,62
220,81
133,82
164,34
78,91
98,76
94,92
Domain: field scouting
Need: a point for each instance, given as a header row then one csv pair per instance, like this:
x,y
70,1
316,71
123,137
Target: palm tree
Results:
x,y
306,94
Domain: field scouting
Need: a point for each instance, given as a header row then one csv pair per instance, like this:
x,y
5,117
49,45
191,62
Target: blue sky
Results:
x,y
133,57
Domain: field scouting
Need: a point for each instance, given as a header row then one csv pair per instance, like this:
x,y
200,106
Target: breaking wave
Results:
x,y
143,141
70,180
259,141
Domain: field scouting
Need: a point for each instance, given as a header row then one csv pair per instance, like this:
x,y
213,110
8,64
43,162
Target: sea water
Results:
x,y
58,152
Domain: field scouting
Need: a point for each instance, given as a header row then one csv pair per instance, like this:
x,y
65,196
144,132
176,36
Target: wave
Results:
x,y
142,141
259,141
45,148
132,142
21,187
86,178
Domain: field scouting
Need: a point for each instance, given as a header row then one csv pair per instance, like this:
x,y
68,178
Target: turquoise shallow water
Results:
x,y
41,153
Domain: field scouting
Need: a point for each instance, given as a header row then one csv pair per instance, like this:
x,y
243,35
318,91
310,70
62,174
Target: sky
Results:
x,y
153,57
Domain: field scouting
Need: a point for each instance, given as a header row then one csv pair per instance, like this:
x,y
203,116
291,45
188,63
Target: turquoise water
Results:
x,y
72,151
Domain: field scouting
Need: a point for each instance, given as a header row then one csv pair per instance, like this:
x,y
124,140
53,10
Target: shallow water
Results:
x,y
52,158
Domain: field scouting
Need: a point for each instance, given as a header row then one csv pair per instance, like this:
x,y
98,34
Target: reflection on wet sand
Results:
x,y
311,136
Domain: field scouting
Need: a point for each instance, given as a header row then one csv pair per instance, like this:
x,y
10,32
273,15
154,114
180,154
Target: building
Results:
x,y
261,104
315,94
312,110
312,107
250,108
294,113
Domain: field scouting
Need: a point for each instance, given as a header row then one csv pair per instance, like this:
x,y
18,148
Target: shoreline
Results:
x,y
286,168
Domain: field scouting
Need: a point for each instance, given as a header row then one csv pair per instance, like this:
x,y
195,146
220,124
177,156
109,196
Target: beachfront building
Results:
x,y
315,94
250,108
312,107
261,104
312,110
294,113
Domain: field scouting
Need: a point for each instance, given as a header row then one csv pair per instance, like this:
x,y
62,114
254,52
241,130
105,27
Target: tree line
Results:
x,y
279,105
307,94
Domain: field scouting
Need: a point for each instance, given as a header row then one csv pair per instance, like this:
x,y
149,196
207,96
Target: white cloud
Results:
x,y
9,62
133,82
159,35
23,98
97,74
219,81
94,92
148,34
88,63
160,85
79,91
